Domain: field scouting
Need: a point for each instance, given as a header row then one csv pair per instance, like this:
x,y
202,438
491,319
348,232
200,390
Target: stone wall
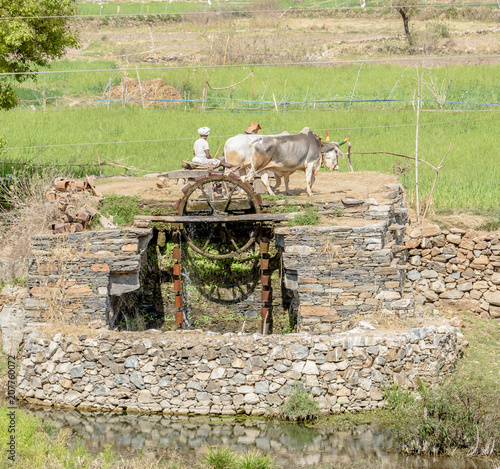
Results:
x,y
338,271
353,266
73,277
191,372
458,269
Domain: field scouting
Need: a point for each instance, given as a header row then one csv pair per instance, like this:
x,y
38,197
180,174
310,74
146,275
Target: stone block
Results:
x,y
318,311
492,297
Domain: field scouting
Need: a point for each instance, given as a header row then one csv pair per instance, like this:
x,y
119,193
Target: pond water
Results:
x,y
292,445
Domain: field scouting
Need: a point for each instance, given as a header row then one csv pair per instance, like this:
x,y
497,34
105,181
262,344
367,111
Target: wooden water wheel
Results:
x,y
228,205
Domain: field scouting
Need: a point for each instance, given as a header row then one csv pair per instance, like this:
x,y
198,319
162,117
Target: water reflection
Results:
x,y
293,445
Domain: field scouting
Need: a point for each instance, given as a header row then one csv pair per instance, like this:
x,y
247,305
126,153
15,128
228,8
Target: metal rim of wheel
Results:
x,y
224,196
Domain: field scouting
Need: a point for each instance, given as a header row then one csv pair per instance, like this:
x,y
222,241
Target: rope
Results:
x,y
230,86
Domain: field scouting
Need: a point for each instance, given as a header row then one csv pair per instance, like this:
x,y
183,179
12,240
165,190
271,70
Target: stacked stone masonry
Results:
x,y
457,269
187,372
74,276
355,267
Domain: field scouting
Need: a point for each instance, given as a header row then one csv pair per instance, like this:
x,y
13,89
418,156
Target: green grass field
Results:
x,y
157,139
463,87
239,8
175,7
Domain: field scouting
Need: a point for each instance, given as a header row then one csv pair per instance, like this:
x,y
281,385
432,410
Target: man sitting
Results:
x,y
202,155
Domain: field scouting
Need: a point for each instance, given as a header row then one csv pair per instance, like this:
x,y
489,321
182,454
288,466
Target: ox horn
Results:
x,y
327,136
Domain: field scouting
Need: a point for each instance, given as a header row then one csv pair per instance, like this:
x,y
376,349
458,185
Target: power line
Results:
x,y
249,101
227,136
273,64
228,12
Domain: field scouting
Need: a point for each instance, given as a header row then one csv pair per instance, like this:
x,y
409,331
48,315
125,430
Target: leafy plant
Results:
x,y
28,43
299,405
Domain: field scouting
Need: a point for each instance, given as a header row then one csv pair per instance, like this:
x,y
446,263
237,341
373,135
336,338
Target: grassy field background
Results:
x,y
279,98
110,7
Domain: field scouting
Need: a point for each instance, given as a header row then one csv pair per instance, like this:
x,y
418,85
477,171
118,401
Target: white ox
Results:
x,y
237,151
285,154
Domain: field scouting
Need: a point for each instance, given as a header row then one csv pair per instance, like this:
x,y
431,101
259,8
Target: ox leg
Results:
x,y
248,176
265,180
309,179
278,182
287,181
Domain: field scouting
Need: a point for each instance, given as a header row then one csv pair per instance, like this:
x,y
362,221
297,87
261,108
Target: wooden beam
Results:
x,y
256,217
186,173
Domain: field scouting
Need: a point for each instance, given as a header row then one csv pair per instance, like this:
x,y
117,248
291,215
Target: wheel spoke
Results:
x,y
229,197
208,199
209,237
233,242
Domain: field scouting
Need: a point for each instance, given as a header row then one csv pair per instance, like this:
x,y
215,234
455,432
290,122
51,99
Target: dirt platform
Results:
x,y
336,185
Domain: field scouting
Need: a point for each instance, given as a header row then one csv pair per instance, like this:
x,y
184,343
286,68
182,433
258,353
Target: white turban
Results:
x,y
203,130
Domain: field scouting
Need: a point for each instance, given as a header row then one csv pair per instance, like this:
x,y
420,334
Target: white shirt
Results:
x,y
199,148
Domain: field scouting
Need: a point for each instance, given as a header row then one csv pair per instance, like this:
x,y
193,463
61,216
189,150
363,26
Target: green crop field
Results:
x,y
126,7
174,7
293,88
280,98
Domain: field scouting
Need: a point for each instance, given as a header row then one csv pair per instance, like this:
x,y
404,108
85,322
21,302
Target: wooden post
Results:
x,y
416,149
349,155
140,86
178,300
123,93
109,92
266,286
99,163
225,51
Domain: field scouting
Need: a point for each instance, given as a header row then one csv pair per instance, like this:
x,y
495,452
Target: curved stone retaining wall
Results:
x,y
190,372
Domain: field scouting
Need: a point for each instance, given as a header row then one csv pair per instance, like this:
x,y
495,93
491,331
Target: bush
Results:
x,y
255,460
220,458
461,415
439,29
398,398
299,405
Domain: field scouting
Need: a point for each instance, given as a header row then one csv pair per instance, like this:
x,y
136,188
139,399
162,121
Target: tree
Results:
x,y
32,33
406,8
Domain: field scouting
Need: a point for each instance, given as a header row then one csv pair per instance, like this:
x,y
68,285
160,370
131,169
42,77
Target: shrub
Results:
x,y
220,458
255,460
398,398
311,217
299,405
461,415
439,29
